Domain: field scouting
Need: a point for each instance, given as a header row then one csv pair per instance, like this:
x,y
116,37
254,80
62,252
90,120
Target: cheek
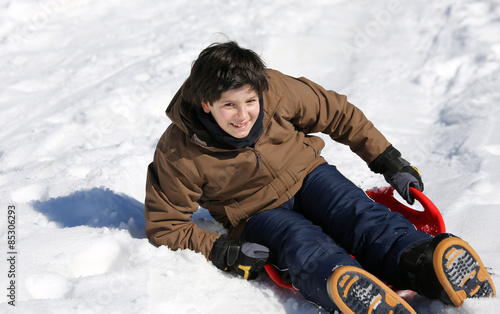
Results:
x,y
254,113
225,115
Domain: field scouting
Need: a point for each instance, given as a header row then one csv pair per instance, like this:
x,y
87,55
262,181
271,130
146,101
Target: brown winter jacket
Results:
x,y
189,171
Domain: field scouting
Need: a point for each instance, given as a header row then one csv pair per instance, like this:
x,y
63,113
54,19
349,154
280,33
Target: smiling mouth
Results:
x,y
240,125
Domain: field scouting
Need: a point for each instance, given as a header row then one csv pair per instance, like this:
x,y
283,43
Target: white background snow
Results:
x,y
83,89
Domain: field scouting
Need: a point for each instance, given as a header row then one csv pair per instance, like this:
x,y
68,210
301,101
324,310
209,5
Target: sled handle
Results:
x,y
430,208
429,220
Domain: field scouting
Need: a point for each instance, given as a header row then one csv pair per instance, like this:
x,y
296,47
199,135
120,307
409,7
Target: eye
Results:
x,y
229,104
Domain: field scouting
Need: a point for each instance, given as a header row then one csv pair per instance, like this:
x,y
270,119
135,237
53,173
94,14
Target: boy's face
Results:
x,y
236,111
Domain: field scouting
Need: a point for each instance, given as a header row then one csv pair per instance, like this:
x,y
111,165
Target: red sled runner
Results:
x,y
429,220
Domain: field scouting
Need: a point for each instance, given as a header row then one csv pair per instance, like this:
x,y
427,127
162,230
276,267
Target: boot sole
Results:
x,y
461,272
354,290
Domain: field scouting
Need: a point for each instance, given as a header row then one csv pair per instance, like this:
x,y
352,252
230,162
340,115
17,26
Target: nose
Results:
x,y
242,112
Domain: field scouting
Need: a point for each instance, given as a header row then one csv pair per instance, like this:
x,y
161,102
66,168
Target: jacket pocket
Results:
x,y
316,144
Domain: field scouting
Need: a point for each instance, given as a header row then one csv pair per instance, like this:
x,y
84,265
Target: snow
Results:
x,y
84,85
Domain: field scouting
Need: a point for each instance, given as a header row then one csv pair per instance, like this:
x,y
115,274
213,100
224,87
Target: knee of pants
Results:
x,y
282,230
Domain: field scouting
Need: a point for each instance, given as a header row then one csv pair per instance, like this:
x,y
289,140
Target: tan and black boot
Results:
x,y
354,290
446,268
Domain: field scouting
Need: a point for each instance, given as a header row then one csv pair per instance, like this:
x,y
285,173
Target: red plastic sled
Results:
x,y
429,220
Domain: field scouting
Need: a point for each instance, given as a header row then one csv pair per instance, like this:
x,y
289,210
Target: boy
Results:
x,y
239,145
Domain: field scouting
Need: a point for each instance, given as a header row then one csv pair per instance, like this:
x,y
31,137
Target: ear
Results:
x,y
205,106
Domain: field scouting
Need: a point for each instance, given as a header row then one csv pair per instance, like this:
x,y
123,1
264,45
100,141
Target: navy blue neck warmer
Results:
x,y
227,141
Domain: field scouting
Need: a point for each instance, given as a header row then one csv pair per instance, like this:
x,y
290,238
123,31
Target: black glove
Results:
x,y
398,173
246,259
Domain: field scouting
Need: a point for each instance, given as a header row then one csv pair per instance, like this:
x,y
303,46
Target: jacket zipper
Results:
x,y
259,158
261,162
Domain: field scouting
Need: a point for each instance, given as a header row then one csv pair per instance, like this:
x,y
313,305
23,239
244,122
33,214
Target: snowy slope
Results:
x,y
83,89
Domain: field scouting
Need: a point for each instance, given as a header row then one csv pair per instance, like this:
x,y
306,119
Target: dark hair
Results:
x,y
222,67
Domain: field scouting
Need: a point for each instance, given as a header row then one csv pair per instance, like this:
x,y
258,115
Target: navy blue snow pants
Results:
x,y
326,221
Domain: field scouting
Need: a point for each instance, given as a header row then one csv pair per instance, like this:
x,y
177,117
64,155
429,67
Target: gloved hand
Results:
x,y
398,173
247,259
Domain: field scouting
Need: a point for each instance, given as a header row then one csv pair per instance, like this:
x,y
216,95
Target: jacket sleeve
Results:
x,y
315,109
171,200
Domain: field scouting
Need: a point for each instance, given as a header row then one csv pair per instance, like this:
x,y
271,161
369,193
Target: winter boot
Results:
x,y
354,290
446,268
